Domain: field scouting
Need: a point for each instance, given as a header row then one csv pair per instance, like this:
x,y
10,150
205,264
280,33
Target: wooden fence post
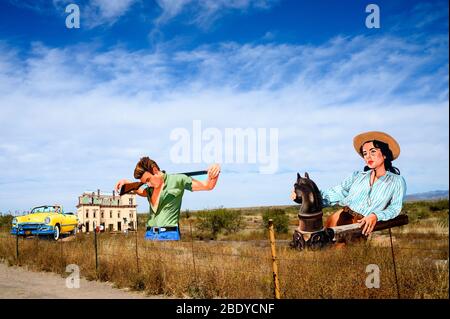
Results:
x,y
274,260
96,250
137,255
17,245
192,247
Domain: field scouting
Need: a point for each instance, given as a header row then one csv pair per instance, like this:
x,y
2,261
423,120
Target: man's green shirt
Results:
x,y
168,211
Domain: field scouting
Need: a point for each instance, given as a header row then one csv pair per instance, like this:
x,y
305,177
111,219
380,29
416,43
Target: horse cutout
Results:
x,y
311,234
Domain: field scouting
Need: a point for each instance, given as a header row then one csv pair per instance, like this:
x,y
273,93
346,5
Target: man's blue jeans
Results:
x,y
160,234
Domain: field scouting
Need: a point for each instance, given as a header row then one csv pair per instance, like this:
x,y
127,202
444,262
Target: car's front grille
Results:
x,y
30,226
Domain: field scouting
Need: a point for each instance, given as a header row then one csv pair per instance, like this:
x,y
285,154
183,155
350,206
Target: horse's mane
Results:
x,y
317,196
315,191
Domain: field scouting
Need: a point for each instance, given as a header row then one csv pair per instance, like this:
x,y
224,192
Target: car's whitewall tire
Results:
x,y
56,233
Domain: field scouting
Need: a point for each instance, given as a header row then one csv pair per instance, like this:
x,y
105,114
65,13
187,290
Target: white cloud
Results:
x,y
101,12
76,118
94,13
204,12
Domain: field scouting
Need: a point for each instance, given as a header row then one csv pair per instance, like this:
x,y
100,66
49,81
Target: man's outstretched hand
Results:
x,y
214,171
120,184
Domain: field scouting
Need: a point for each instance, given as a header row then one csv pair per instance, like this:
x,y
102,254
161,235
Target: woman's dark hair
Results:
x,y
386,151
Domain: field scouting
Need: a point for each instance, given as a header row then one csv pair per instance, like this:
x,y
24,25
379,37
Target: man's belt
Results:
x,y
162,229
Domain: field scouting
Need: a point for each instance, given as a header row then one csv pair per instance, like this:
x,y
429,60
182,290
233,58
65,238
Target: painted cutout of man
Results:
x,y
164,193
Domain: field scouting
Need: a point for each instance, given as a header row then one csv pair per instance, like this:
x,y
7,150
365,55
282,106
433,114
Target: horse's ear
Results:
x,y
298,176
306,175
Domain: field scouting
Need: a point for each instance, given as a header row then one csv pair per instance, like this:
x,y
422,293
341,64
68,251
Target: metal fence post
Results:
x,y
395,267
274,260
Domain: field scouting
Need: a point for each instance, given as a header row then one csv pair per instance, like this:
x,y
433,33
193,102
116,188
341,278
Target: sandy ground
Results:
x,y
17,282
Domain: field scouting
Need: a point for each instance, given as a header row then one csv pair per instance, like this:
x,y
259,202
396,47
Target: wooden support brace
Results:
x,y
346,232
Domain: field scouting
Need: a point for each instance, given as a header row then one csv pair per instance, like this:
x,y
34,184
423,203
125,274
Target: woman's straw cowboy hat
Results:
x,y
362,138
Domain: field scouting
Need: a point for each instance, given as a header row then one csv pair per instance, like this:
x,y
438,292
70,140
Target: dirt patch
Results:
x,y
18,282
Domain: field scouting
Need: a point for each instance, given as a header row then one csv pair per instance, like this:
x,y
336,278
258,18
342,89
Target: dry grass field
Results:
x,y
239,264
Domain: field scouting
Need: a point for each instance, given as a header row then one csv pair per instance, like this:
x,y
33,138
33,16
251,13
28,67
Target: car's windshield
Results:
x,y
46,209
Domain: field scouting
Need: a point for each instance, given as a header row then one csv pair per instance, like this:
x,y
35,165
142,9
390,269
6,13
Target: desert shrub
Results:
x,y
439,205
416,211
5,220
142,220
185,214
280,220
423,214
219,220
425,209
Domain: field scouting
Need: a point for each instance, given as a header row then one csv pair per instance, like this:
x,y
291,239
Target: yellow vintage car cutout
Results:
x,y
50,220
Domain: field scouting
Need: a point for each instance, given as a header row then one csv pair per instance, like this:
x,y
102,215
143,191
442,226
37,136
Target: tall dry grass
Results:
x,y
240,269
238,265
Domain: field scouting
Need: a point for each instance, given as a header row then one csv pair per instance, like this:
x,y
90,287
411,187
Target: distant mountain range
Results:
x,y
432,195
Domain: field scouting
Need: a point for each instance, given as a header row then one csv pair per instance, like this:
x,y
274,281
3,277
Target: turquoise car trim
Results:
x,y
46,230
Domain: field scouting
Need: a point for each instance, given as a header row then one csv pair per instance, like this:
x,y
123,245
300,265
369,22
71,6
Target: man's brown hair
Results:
x,y
145,164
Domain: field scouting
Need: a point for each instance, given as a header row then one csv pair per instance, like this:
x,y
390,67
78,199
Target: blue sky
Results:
x,y
80,106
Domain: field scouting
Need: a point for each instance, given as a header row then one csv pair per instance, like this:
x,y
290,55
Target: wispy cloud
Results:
x,y
204,12
106,12
94,13
421,16
78,118
426,13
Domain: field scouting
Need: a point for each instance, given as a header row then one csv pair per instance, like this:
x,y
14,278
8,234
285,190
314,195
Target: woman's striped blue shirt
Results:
x,y
384,198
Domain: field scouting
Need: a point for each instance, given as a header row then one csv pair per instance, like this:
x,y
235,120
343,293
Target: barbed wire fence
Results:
x,y
194,253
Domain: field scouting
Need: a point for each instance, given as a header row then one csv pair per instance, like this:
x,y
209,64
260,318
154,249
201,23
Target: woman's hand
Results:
x,y
121,183
293,195
369,223
214,171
